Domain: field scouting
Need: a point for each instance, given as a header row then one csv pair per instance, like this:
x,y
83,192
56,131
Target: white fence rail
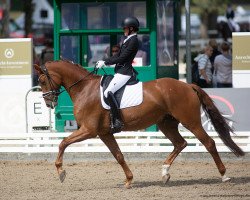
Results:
x,y
128,142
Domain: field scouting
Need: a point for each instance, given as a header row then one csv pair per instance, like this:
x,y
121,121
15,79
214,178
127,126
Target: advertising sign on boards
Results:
x,y
15,80
241,59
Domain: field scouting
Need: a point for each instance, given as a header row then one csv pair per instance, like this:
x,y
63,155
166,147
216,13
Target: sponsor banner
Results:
x,y
16,61
241,59
15,56
241,51
233,103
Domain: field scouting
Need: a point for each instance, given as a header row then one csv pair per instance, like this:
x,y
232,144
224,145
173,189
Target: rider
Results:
x,y
234,27
123,68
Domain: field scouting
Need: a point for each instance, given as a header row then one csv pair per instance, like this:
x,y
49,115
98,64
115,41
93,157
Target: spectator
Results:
x,y
205,68
146,47
106,53
223,67
115,49
141,54
213,43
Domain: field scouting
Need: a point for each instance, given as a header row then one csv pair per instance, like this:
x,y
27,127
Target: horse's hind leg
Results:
x,y
110,142
169,127
209,143
76,136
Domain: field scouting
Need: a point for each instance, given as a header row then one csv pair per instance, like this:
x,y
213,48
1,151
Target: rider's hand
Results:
x,y
100,64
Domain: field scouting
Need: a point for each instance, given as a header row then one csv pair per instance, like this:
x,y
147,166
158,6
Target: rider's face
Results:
x,y
126,31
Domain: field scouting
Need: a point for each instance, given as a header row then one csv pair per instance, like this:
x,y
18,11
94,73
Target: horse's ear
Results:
x,y
38,69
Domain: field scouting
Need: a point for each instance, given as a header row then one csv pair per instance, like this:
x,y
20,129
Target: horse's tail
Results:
x,y
218,121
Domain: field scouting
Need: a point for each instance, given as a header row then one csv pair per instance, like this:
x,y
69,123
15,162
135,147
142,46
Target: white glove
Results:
x,y
100,64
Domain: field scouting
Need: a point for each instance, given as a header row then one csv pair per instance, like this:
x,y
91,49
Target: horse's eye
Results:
x,y
42,82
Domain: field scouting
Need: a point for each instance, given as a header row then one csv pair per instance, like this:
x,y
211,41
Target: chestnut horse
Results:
x,y
166,102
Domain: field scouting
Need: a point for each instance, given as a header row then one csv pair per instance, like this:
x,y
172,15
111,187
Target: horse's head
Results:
x,y
50,85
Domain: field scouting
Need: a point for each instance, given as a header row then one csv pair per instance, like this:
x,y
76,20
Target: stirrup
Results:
x,y
116,127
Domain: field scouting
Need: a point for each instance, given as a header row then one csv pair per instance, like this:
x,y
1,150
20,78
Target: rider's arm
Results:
x,y
127,54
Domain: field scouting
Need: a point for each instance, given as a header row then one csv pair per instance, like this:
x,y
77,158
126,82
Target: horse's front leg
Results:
x,y
110,142
76,136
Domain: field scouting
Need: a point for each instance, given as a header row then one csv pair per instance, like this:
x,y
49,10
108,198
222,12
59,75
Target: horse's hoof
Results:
x,y
225,179
62,175
165,178
128,185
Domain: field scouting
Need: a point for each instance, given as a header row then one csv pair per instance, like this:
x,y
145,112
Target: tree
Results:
x,y
28,10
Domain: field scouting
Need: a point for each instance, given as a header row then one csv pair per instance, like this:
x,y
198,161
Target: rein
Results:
x,y
57,92
93,72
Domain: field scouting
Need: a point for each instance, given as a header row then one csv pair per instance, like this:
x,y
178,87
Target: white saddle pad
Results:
x,y
132,96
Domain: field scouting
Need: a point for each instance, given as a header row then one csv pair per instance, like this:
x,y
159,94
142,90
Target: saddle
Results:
x,y
119,93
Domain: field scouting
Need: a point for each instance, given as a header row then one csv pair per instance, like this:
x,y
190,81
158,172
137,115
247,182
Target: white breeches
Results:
x,y
117,82
235,25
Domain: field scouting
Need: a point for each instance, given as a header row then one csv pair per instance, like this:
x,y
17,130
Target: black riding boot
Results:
x,y
115,115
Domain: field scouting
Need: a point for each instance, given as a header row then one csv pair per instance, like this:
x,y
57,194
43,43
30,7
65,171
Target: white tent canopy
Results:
x,y
43,14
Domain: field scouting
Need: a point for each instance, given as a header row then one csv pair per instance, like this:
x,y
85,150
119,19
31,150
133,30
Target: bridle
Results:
x,y
52,95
